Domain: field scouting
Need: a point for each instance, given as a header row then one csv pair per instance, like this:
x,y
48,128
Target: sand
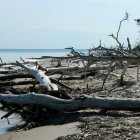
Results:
x,y
112,125
43,133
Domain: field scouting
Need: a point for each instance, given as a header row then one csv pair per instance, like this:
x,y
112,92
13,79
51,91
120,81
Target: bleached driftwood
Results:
x,y
39,76
77,103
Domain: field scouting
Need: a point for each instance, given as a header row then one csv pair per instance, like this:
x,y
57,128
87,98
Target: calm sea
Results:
x,y
9,55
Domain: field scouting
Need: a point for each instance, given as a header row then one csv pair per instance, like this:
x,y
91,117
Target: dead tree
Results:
x,y
77,103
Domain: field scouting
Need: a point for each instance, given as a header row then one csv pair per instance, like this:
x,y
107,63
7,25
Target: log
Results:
x,y
61,69
8,72
99,58
14,83
74,104
15,75
64,70
39,76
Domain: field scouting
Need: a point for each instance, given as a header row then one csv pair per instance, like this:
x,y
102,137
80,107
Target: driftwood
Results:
x,y
66,70
102,58
48,98
8,72
39,76
15,75
77,103
14,83
111,58
12,64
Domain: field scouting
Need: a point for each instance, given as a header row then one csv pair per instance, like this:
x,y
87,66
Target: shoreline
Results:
x,y
49,132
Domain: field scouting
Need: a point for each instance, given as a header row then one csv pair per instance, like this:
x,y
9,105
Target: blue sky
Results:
x,y
63,23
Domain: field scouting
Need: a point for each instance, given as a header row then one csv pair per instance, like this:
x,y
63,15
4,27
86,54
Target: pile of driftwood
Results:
x,y
44,94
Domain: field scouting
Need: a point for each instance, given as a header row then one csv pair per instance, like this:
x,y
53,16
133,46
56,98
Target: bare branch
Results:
x,y
125,18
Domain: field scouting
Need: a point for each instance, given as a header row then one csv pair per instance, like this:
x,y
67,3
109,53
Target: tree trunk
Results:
x,y
15,83
15,75
77,103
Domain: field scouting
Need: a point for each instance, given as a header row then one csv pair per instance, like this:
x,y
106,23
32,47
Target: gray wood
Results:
x,y
77,103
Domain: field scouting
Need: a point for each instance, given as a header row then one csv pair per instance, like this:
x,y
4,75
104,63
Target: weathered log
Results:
x,y
77,103
15,75
100,58
14,83
8,71
40,77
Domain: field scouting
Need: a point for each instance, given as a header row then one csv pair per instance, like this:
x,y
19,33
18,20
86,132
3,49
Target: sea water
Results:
x,y
6,124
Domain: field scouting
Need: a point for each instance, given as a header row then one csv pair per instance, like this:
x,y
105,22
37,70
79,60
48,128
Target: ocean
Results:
x,y
11,55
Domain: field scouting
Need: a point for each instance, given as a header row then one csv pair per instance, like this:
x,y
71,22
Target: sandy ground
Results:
x,y
43,133
115,125
118,125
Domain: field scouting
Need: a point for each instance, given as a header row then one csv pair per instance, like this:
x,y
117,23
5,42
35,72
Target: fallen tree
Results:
x,y
14,83
77,103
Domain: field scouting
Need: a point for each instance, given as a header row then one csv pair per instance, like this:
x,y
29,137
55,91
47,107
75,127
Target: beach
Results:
x,y
44,133
90,123
69,70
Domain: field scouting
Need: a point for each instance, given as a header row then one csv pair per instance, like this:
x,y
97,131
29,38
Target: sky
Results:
x,y
52,24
